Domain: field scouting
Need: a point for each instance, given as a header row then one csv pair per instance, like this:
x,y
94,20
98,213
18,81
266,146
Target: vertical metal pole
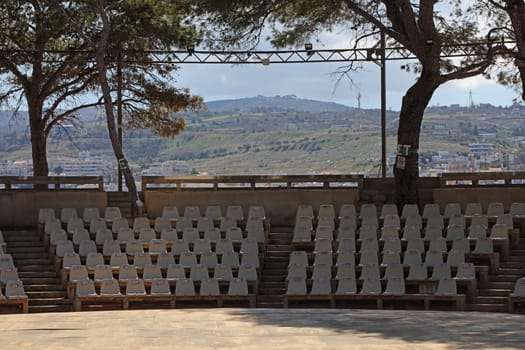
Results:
x,y
119,116
383,106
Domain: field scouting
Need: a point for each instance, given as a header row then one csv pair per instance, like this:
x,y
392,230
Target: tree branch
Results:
x,y
67,94
58,118
353,6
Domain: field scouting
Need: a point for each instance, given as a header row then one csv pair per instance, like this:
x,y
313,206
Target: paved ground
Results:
x,y
262,329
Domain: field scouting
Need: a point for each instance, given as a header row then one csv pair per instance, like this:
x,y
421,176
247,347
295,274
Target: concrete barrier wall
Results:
x,y
483,195
280,205
19,208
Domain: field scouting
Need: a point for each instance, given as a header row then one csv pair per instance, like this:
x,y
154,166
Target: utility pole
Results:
x,y
383,105
119,116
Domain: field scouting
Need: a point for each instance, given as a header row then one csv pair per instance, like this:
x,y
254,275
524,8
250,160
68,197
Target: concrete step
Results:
x,y
271,291
23,238
508,271
279,241
35,268
44,288
512,264
41,280
46,294
16,245
33,274
269,305
48,301
30,255
271,298
501,285
278,254
268,285
493,292
282,229
490,300
518,258
284,260
279,248
285,236
487,307
278,258
31,249
273,278
504,278
37,261
275,265
50,308
275,272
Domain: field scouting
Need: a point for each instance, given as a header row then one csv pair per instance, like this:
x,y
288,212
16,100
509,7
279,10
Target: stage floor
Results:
x,y
269,329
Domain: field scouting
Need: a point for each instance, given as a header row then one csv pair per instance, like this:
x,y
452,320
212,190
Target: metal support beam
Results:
x,y
119,117
393,53
383,105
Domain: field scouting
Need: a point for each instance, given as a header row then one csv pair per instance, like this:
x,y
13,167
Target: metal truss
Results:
x,y
191,56
307,56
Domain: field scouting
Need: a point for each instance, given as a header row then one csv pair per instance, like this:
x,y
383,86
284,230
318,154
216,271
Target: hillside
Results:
x,y
288,102
276,135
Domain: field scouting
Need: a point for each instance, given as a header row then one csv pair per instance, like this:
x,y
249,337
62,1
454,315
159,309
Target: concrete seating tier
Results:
x,y
159,291
228,250
339,256
11,287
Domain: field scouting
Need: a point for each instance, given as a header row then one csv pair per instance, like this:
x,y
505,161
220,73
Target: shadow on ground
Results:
x,y
464,330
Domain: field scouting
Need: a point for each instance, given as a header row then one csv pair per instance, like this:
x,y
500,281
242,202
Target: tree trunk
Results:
x,y
100,47
38,140
100,57
516,12
406,167
112,131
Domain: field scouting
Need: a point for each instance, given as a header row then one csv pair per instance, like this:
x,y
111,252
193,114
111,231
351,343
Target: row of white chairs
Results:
x,y
500,230
160,287
6,261
254,228
163,260
174,272
493,209
69,213
519,287
416,272
483,245
393,220
13,289
141,223
155,247
190,236
407,258
8,274
2,243
213,212
298,286
517,297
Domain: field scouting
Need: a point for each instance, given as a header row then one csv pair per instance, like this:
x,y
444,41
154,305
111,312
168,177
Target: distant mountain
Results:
x,y
288,102
9,122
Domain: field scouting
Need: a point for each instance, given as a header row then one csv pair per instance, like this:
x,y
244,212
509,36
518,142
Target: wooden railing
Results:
x,y
252,182
52,182
483,179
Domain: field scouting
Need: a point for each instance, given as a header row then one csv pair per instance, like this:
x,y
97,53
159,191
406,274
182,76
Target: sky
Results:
x,y
317,81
